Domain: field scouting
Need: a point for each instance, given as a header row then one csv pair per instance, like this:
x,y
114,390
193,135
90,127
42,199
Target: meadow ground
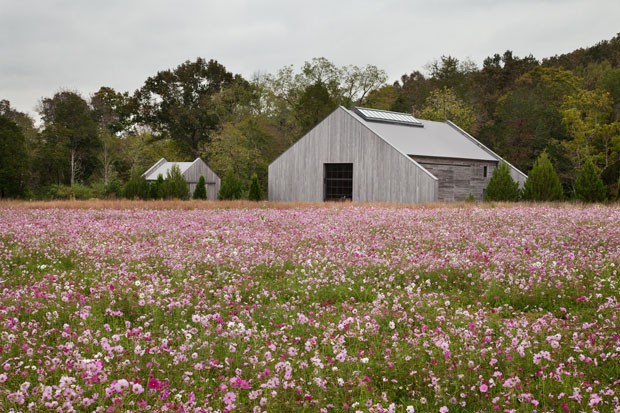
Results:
x,y
200,307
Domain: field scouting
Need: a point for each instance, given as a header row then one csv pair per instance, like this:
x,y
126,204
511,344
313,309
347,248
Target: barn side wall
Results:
x,y
458,178
380,172
193,173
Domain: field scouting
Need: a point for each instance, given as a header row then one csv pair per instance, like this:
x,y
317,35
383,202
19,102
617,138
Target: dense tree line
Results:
x,y
567,107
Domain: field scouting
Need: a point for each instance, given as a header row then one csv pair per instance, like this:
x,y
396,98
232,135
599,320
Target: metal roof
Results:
x,y
164,168
434,139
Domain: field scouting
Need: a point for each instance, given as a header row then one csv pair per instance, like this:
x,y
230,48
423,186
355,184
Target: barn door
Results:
x,y
338,182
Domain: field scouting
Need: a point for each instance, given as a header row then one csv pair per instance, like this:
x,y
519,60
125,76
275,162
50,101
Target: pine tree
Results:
x,y
589,186
231,187
201,191
501,185
136,187
543,183
175,185
255,192
158,188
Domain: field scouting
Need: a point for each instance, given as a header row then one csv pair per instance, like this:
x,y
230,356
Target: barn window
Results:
x,y
338,181
485,171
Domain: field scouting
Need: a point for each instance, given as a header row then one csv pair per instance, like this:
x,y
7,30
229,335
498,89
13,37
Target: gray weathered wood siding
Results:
x,y
518,176
380,172
193,173
459,178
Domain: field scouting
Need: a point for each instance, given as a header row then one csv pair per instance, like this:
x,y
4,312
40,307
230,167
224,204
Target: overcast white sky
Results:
x,y
48,45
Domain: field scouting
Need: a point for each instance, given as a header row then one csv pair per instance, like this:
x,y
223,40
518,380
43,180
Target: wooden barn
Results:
x,y
369,155
191,171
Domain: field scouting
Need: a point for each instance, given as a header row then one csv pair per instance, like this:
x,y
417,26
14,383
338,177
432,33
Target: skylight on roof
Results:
x,y
376,115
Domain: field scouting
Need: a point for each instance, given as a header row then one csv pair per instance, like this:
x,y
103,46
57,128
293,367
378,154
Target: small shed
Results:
x,y
191,171
370,155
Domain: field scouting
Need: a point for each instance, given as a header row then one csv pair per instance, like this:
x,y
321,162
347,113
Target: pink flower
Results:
x,y
154,384
595,399
229,398
484,388
137,388
443,409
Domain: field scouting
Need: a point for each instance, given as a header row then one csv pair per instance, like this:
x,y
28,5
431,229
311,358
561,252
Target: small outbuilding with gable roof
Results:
x,y
369,155
191,171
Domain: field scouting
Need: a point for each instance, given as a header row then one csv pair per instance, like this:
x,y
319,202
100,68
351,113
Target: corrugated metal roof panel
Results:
x,y
436,139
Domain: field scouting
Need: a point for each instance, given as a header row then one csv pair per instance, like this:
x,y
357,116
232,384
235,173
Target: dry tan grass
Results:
x,y
243,204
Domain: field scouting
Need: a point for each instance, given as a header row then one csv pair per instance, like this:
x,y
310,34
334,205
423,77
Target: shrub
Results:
x,y
231,187
589,186
136,187
255,192
201,191
77,191
175,186
543,183
501,185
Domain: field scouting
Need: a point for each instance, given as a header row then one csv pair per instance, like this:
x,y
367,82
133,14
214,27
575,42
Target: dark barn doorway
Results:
x,y
338,182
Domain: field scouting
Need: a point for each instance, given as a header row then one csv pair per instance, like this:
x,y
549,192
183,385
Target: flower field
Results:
x,y
359,308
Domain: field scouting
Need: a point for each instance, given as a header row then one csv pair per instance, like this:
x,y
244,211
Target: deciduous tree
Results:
x,y
13,159
443,104
70,140
178,103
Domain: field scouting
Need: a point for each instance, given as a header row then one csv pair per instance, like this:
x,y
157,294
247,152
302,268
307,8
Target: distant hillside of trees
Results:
x,y
567,106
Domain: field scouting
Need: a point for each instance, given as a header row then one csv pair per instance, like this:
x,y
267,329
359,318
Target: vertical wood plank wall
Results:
x,y
380,172
193,173
459,178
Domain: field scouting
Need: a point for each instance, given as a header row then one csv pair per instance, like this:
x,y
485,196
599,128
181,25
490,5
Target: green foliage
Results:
x,y
255,191
70,140
13,160
587,115
528,117
137,187
501,185
178,103
443,104
113,110
77,191
157,188
201,189
543,183
314,104
231,187
175,185
589,186
411,92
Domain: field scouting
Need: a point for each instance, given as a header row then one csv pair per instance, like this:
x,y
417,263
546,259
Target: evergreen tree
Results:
x,y
589,186
158,188
255,192
175,185
136,187
501,185
231,187
543,183
201,191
